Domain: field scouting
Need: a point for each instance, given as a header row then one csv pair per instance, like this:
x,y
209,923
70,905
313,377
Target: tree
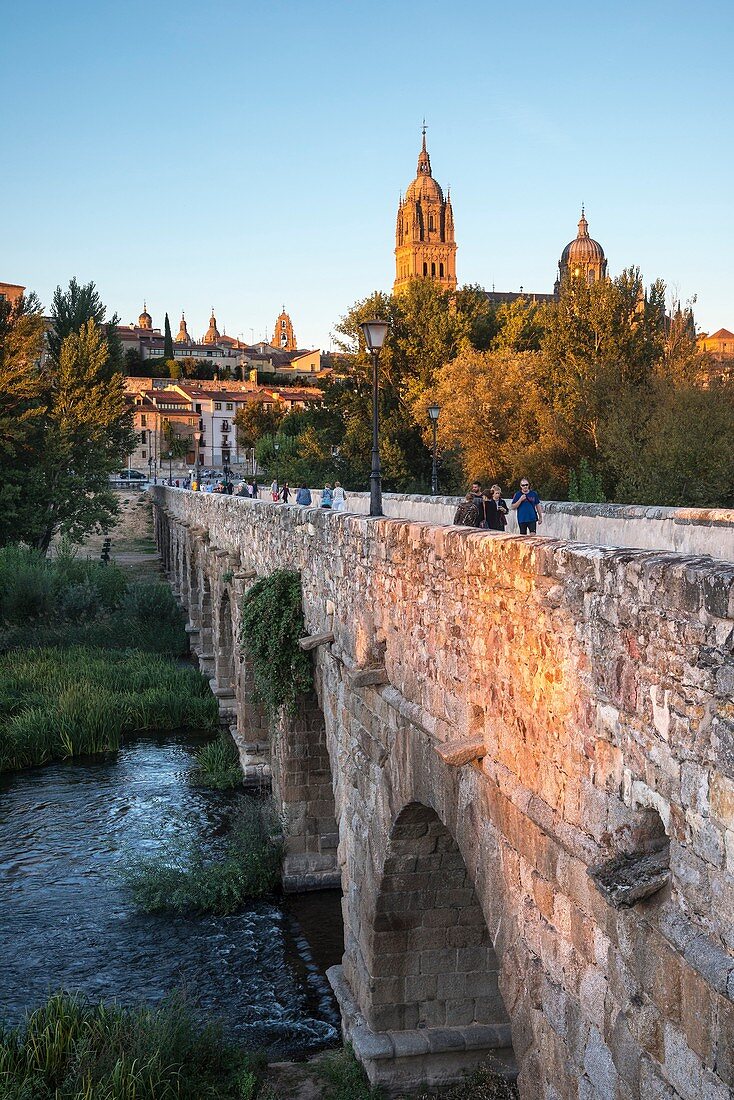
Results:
x,y
255,420
21,406
86,436
74,307
178,445
167,340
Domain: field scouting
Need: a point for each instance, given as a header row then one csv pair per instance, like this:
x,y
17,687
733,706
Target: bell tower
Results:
x,y
284,337
425,247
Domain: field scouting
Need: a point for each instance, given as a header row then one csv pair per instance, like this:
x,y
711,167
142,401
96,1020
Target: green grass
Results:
x,y
217,765
57,703
70,1049
344,1079
188,878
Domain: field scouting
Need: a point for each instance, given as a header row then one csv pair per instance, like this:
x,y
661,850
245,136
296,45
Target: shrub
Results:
x,y
218,765
272,624
152,604
188,878
81,1051
79,602
27,589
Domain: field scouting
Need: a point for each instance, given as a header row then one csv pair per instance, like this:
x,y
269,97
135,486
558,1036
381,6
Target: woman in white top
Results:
x,y
339,498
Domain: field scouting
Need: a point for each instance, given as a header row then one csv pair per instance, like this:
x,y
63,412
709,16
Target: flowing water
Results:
x,y
66,921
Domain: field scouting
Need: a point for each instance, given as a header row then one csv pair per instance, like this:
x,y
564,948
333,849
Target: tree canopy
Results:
x,y
72,423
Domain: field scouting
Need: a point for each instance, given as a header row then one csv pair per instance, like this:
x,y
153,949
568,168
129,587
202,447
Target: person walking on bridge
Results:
x,y
466,514
529,510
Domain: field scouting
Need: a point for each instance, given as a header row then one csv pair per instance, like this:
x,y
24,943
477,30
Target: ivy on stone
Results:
x,y
271,626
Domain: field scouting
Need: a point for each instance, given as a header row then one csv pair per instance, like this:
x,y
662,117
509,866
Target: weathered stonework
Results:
x,y
600,683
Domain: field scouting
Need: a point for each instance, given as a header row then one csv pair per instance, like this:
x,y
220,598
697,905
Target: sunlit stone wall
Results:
x,y
559,708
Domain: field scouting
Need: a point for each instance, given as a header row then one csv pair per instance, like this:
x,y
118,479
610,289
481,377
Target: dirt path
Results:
x,y
132,544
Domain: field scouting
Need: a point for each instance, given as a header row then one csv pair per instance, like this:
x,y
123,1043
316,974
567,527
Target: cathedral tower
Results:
x,y
424,234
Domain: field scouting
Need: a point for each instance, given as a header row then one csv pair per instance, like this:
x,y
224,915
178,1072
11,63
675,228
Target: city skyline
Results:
x,y
271,175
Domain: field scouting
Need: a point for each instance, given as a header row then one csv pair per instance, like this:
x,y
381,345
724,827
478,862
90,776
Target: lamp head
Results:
x,y
374,333
433,411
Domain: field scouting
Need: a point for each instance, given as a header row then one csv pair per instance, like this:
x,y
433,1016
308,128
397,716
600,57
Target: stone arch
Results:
x,y
192,586
432,962
205,652
224,662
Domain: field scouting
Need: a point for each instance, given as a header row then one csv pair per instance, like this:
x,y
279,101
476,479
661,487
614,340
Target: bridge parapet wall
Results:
x,y
557,707
691,531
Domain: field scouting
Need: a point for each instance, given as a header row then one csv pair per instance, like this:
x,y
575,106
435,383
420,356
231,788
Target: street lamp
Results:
x,y
197,458
374,337
170,467
433,413
276,448
150,467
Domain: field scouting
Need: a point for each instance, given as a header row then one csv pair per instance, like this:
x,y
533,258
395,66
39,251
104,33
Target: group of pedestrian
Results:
x,y
488,510
332,497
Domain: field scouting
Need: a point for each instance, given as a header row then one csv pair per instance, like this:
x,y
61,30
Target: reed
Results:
x,y
188,877
70,1048
58,703
217,765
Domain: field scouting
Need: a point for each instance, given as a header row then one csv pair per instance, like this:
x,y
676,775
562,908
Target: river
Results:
x,y
66,921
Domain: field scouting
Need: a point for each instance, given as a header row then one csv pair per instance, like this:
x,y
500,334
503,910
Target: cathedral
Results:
x,y
425,246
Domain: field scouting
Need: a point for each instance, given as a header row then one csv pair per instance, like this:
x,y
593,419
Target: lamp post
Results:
x,y
150,468
276,448
197,458
374,337
170,467
433,414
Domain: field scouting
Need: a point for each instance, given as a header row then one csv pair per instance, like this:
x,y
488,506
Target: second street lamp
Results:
x,y
433,414
374,337
170,467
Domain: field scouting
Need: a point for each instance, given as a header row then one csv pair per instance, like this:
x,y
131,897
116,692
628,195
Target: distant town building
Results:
x,y
225,354
165,410
10,292
719,344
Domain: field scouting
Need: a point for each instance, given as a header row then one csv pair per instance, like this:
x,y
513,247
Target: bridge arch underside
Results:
x,y
421,985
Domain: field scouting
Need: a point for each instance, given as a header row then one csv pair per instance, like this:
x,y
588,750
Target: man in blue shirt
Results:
x,y
527,505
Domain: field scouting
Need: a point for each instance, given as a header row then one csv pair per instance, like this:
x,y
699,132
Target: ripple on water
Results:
x,y
66,921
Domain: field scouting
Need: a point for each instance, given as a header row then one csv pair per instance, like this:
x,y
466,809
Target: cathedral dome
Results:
x,y
182,336
584,249
212,333
424,189
145,320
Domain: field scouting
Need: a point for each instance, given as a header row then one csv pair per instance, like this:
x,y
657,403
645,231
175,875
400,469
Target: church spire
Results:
x,y
583,224
424,161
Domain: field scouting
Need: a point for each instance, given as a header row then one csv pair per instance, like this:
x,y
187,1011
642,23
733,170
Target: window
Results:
x,y
142,420
197,408
430,223
425,269
218,405
433,269
229,406
440,270
144,455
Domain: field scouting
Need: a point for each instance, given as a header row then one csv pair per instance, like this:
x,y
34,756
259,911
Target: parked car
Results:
x,y
132,475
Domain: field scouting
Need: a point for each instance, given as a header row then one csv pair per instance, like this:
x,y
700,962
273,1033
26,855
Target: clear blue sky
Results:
x,y
246,155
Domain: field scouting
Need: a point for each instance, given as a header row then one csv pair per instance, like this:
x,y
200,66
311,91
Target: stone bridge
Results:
x,y
519,767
